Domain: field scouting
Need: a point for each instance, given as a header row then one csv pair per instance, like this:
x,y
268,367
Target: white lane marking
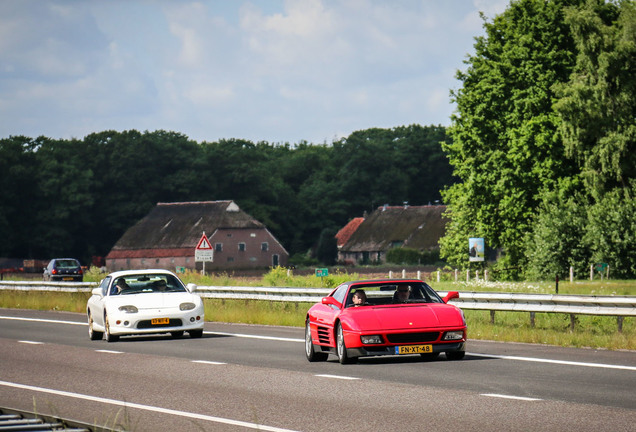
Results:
x,y
109,351
559,362
256,337
521,398
146,407
338,377
43,320
529,359
208,362
31,342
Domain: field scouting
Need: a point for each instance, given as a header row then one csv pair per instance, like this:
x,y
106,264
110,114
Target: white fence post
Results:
x,y
438,276
467,275
419,275
403,273
456,275
591,272
571,274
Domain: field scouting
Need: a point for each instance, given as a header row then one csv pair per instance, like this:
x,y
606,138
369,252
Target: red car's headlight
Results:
x,y
371,339
454,335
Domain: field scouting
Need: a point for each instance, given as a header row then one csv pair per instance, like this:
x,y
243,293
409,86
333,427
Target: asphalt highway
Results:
x,y
244,377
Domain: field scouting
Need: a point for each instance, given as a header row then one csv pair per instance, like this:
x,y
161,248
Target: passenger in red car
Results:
x,y
359,298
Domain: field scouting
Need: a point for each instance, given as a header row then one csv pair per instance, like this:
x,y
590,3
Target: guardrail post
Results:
x,y
532,314
492,317
572,322
620,324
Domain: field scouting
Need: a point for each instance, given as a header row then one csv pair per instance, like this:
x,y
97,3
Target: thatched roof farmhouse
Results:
x,y
168,235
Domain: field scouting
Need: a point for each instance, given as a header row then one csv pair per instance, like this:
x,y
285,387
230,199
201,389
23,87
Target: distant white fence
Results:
x,y
619,306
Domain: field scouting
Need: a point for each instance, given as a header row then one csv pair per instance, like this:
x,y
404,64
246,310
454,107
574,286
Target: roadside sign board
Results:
x,y
203,251
322,272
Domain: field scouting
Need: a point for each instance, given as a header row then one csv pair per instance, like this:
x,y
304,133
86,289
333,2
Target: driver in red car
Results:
x,y
359,298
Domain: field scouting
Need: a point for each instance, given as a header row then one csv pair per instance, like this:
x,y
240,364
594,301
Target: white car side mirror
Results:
x,y
191,287
97,291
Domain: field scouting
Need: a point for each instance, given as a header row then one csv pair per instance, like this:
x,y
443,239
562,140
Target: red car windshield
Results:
x,y
387,292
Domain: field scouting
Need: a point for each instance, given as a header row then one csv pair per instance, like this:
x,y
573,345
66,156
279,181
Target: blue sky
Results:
x,y
276,71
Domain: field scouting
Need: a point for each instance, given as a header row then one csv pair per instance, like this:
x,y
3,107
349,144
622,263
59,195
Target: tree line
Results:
x,y
543,140
77,197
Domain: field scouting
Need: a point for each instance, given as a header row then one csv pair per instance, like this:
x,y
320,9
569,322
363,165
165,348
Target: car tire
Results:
x,y
109,336
455,355
310,351
92,333
177,334
341,347
196,334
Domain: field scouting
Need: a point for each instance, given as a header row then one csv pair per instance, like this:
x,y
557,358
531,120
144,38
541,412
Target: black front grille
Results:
x,y
146,324
412,337
323,335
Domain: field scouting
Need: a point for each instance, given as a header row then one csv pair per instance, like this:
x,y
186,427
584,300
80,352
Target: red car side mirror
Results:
x,y
451,295
331,301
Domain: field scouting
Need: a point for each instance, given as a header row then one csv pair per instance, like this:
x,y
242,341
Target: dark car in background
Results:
x,y
63,269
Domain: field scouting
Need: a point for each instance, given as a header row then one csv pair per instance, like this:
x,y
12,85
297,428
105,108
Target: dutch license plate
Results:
x,y
413,349
67,278
160,321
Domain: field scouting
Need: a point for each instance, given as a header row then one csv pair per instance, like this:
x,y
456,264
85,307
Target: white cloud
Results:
x,y
261,70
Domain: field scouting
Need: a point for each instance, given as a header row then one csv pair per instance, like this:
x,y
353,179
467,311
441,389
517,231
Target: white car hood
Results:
x,y
154,300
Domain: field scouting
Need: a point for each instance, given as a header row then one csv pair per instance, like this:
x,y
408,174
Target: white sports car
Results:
x,y
134,302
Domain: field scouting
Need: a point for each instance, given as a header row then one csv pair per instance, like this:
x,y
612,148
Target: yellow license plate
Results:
x,y
67,278
160,321
414,349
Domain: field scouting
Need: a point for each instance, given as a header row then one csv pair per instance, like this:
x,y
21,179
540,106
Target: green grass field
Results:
x,y
552,329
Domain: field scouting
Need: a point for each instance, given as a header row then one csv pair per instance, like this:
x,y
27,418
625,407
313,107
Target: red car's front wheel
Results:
x,y
341,348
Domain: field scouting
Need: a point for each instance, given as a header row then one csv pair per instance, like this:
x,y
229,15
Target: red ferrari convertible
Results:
x,y
384,317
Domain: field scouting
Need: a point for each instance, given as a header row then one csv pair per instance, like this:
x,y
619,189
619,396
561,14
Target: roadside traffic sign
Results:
x,y
204,243
203,251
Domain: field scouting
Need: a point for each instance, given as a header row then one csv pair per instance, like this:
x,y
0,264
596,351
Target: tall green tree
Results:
x,y
597,105
506,149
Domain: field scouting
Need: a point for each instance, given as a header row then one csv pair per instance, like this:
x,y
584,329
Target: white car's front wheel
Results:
x,y
109,336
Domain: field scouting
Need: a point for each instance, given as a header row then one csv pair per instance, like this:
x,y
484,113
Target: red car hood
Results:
x,y
403,317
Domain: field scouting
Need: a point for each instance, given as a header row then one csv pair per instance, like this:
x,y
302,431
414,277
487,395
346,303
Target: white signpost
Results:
x,y
204,252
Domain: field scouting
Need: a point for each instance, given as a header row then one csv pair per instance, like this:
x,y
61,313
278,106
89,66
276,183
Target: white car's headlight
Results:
x,y
128,309
371,339
187,306
454,335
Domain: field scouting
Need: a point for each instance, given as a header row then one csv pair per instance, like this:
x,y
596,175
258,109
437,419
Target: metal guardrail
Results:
x,y
48,286
619,306
19,420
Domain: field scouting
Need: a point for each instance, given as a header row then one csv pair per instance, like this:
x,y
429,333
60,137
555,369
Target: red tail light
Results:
x,y
54,271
